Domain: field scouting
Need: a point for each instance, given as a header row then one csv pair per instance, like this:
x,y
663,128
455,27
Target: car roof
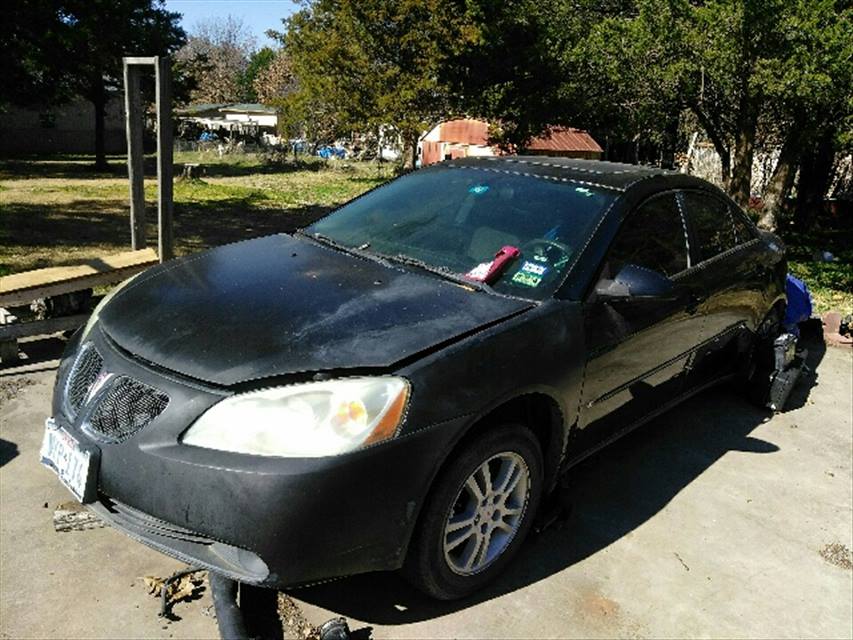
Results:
x,y
610,175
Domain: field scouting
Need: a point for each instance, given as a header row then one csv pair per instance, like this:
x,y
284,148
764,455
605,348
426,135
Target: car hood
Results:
x,y
281,305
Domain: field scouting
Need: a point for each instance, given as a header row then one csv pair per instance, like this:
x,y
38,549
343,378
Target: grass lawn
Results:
x,y
830,283
57,210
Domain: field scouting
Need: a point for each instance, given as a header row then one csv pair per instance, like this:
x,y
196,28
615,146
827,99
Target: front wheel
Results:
x,y
477,515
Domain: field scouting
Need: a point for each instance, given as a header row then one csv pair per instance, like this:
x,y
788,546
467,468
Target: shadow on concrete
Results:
x,y
260,612
8,451
811,338
609,495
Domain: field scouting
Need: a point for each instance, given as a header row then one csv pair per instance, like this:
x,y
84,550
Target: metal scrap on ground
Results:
x,y
182,586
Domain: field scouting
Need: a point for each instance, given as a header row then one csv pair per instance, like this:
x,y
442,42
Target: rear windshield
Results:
x,y
458,217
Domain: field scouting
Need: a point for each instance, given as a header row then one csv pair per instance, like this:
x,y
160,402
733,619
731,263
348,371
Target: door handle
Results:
x,y
693,302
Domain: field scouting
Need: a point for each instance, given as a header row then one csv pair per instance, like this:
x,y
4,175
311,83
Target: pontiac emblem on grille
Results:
x,y
99,382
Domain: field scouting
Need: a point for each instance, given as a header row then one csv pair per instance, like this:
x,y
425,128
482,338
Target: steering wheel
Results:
x,y
543,247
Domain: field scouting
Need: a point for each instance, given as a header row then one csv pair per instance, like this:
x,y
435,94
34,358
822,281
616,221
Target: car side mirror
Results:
x,y
635,282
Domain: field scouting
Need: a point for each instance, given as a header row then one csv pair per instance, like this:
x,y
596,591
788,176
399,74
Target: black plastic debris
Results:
x,y
334,629
788,365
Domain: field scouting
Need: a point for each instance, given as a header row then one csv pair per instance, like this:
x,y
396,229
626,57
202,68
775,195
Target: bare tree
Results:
x,y
218,51
275,80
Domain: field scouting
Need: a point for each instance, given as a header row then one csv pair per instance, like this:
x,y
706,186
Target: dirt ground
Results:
x,y
708,522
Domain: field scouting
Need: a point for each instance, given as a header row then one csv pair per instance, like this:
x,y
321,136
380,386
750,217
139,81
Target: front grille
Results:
x,y
84,373
127,406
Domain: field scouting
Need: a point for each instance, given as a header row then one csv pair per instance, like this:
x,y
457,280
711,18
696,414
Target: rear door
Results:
x,y
725,269
637,346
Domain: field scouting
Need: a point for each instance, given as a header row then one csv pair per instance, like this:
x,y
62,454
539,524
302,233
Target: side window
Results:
x,y
652,237
743,229
711,222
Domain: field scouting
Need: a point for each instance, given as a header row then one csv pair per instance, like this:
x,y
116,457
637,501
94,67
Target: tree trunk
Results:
x,y
741,180
720,145
725,169
779,187
410,150
99,100
378,150
815,175
670,140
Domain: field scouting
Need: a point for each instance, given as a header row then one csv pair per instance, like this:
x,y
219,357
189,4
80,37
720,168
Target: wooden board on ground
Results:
x,y
41,327
73,516
23,288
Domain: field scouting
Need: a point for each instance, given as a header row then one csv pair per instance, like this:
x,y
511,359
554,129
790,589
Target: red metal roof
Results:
x,y
564,139
555,139
464,132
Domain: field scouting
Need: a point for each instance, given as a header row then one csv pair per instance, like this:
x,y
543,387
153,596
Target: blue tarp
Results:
x,y
799,307
331,152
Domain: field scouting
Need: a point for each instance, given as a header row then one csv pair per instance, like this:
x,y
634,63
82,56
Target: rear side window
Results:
x,y
711,221
743,230
651,237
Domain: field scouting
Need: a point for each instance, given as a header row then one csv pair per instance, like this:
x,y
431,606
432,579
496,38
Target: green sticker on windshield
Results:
x,y
526,279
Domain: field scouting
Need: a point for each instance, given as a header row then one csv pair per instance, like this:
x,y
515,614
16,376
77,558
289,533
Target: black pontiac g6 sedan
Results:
x,y
401,383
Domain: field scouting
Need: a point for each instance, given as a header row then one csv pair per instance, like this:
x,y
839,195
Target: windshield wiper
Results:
x,y
355,251
443,272
400,258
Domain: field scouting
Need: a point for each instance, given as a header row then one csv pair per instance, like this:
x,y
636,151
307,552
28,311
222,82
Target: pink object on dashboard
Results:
x,y
502,259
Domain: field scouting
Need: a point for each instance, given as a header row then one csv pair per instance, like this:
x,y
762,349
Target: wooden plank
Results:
x,y
40,277
135,167
165,159
140,60
73,516
22,288
41,327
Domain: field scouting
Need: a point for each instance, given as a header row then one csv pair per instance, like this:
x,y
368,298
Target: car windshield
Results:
x,y
456,219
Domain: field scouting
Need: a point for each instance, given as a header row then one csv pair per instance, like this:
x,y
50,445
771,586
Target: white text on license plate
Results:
x,y
62,453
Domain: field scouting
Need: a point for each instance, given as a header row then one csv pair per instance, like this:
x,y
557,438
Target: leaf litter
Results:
x,y
184,588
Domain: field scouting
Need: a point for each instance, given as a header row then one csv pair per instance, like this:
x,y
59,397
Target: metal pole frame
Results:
x,y
135,170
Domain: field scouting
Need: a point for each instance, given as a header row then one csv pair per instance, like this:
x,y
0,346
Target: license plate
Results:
x,y
61,452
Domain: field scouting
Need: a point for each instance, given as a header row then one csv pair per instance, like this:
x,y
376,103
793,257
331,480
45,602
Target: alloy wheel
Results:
x,y
487,513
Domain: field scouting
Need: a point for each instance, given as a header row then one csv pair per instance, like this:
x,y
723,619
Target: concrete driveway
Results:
x,y
707,522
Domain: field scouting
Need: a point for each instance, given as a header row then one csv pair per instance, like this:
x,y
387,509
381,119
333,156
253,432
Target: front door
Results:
x,y
637,346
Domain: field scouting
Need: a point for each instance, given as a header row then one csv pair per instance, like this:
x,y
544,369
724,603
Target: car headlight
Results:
x,y
308,420
93,319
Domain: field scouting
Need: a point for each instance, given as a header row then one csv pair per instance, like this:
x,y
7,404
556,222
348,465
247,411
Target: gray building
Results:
x,y
68,128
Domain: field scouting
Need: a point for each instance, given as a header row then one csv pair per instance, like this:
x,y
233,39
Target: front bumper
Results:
x,y
276,522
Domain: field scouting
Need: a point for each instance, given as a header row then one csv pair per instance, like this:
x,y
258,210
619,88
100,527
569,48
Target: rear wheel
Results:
x,y
477,515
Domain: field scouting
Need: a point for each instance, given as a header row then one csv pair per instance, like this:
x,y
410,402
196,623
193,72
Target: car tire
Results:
x,y
468,531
